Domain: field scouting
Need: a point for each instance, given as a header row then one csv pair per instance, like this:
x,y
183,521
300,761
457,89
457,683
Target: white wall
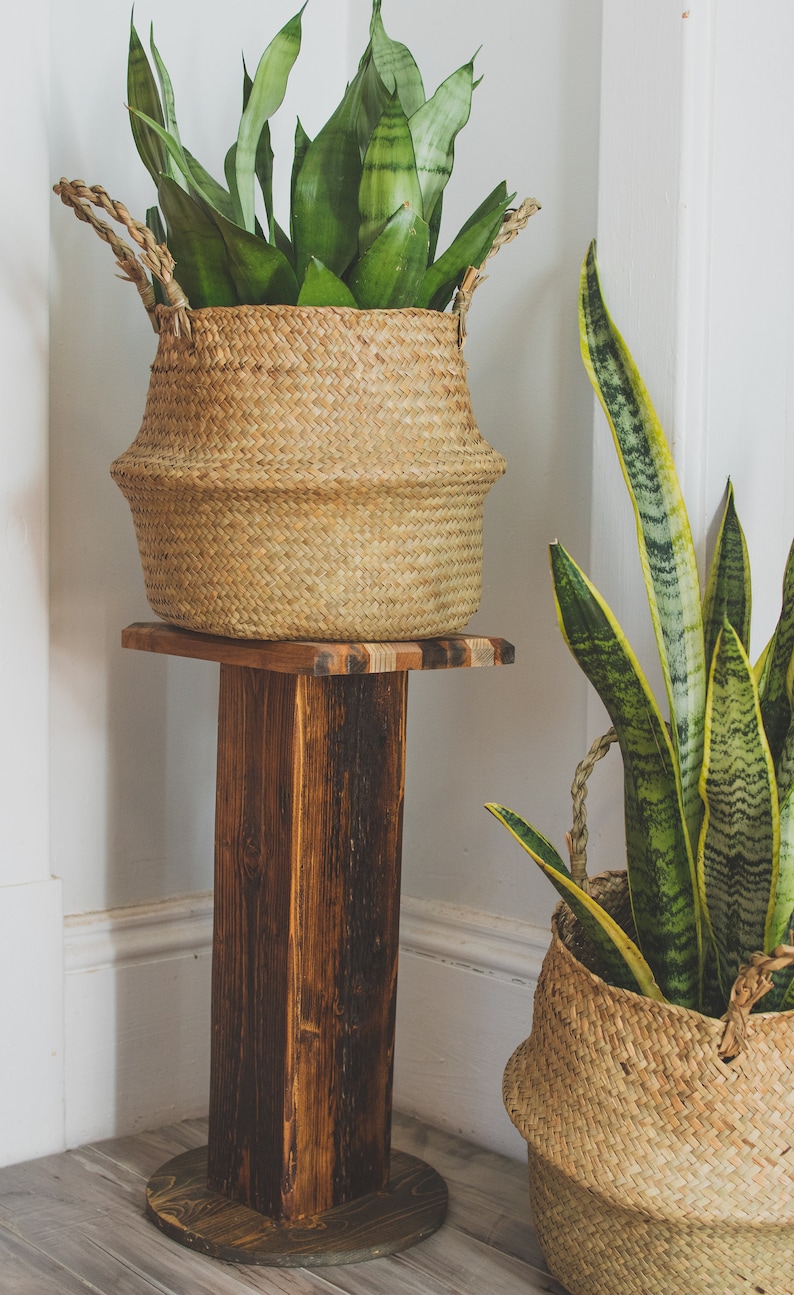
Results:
x,y
31,1008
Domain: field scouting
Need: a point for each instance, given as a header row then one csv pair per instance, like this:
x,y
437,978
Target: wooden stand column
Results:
x,y
311,763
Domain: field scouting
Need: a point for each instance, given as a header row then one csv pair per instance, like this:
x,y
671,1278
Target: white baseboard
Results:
x,y
137,1016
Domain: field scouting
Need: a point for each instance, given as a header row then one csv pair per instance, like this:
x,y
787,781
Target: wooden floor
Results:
x,y
73,1224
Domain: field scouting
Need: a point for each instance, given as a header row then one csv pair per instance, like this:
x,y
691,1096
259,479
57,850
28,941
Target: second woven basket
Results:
x,y
310,472
655,1168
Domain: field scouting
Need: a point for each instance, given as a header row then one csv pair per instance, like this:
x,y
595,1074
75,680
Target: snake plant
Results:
x,y
709,790
366,192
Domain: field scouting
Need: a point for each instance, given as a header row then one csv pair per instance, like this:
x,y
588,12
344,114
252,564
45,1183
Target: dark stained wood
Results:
x,y
321,658
381,1223
311,767
308,835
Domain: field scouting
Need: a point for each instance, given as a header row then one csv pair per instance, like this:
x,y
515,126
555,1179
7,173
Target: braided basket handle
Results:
x,y
754,978
513,221
152,256
752,982
576,839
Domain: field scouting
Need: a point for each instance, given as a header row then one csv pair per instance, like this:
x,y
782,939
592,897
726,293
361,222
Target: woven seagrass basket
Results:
x,y
655,1168
303,472
310,472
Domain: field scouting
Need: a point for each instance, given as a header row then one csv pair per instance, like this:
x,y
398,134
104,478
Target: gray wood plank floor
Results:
x,y
73,1224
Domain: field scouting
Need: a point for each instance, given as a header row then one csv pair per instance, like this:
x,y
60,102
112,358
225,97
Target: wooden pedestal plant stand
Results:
x,y
311,759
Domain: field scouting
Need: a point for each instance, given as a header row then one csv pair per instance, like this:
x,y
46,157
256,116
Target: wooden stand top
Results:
x,y
321,658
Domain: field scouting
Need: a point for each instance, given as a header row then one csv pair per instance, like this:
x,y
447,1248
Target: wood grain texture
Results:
x,y
380,1223
321,658
308,836
76,1225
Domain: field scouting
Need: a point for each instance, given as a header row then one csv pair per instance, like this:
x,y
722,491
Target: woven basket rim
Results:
x,y
351,312
674,1008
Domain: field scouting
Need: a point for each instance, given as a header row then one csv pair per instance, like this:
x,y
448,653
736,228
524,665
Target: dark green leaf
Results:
x,y
322,288
396,65
389,178
282,241
143,95
169,109
197,248
155,224
667,553
230,172
390,272
302,143
434,225
262,275
325,203
265,97
370,97
660,863
623,963
739,840
470,247
775,700
728,595
208,188
433,130
199,180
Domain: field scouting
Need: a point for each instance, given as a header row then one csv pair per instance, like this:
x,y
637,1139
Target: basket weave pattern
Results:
x,y
310,473
654,1166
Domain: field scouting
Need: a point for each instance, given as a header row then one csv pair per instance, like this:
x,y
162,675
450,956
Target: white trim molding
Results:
x,y
137,988
122,937
500,947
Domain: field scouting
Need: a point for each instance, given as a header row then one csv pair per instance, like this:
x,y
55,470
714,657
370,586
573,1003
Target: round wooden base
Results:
x,y
188,1211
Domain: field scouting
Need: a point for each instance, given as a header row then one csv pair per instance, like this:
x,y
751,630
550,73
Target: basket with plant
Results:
x,y
308,464
657,1110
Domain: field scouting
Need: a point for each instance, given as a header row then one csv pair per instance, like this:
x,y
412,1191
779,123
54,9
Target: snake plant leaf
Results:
x,y
199,180
389,178
197,248
787,996
433,130
263,169
781,921
169,107
265,97
728,590
321,287
665,542
325,198
623,963
144,96
370,98
261,274
155,224
772,688
208,188
784,894
230,173
302,143
739,841
661,869
434,226
396,66
282,241
469,247
390,272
